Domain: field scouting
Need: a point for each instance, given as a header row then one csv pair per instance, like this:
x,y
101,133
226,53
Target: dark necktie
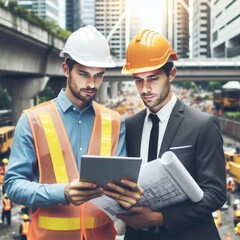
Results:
x,y
153,146
153,141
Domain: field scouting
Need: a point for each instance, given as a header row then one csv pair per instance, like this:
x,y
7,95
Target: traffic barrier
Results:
x,y
230,127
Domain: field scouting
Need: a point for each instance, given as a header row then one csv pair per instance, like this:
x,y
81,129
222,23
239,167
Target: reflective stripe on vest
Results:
x,y
54,147
64,224
106,135
56,158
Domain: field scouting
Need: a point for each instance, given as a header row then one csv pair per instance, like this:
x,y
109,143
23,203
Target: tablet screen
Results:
x,y
102,169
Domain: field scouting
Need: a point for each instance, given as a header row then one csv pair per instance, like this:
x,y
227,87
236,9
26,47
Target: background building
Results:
x,y
225,25
87,12
107,16
133,22
201,36
73,14
47,9
176,27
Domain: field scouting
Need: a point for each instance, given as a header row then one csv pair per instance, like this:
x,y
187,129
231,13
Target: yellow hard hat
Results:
x,y
5,195
237,213
147,51
25,217
5,160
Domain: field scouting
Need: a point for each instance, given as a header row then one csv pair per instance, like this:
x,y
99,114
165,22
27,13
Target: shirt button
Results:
x,y
74,108
80,121
80,149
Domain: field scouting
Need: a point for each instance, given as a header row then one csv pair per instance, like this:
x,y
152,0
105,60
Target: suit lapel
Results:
x,y
175,119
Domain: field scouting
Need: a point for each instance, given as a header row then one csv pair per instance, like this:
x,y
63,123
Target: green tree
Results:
x,y
213,85
46,95
5,99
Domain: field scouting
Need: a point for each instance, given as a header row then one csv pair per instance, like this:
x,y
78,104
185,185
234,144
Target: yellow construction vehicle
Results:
x,y
6,138
232,158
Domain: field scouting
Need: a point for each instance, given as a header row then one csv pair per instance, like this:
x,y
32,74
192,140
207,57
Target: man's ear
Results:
x,y
65,69
172,74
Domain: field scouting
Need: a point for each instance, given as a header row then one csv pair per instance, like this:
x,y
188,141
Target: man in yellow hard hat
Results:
x,y
24,227
171,125
50,139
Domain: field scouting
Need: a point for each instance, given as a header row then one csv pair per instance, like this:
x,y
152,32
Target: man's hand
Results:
x,y
78,192
126,197
142,218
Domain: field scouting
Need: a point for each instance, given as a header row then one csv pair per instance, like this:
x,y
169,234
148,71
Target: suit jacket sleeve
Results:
x,y
205,162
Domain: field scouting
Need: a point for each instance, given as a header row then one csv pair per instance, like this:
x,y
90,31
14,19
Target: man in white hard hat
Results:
x,y
50,140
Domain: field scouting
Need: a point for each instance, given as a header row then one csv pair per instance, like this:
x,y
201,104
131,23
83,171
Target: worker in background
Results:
x,y
237,229
50,139
24,226
4,169
236,204
5,164
236,216
6,210
230,188
1,175
227,167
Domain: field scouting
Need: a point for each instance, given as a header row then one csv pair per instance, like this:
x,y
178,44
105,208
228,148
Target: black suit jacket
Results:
x,y
204,160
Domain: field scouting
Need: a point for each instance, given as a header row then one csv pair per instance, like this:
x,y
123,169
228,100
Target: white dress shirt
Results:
x,y
163,114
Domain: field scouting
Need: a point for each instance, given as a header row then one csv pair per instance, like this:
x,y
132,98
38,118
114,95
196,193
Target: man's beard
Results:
x,y
77,94
157,101
84,98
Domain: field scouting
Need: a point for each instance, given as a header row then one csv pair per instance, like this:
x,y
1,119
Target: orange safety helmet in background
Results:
x,y
147,51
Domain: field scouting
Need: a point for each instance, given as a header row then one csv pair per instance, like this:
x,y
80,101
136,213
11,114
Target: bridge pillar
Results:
x,y
23,92
103,92
114,89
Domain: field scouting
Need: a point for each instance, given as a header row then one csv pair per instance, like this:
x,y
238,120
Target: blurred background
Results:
x,y
204,33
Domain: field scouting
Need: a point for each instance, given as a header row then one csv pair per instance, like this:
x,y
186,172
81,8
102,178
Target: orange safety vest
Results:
x,y
1,175
57,165
6,205
25,227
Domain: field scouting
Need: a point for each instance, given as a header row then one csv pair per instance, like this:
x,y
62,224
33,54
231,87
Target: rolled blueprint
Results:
x,y
182,176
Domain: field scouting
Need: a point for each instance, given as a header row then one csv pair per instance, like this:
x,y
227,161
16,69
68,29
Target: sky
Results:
x,y
151,12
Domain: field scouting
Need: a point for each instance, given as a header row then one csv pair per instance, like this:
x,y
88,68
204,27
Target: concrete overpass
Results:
x,y
30,57
194,70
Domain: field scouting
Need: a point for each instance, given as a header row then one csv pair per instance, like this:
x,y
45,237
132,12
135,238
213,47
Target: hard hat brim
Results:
x,y
108,64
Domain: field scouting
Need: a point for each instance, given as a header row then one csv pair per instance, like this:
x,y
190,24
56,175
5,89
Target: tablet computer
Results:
x,y
102,169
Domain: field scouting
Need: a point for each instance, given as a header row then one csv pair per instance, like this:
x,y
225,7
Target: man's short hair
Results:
x,y
167,67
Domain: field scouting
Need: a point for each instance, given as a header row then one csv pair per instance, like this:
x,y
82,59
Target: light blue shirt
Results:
x,y
21,179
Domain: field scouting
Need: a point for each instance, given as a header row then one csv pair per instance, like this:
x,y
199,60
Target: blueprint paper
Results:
x,y
161,180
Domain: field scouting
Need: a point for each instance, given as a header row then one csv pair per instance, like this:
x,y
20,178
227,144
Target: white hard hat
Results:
x,y
236,202
88,47
230,179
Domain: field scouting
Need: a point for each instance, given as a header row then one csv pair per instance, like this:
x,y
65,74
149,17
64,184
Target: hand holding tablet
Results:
x,y
103,169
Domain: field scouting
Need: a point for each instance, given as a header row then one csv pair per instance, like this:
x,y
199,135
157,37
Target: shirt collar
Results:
x,y
65,103
166,110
